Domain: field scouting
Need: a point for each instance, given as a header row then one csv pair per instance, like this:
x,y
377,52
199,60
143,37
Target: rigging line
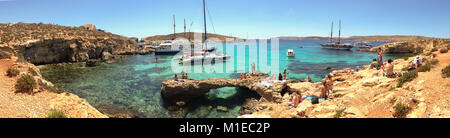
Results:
x,y
210,19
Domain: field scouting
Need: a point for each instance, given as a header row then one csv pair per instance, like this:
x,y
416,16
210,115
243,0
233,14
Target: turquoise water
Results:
x,y
134,83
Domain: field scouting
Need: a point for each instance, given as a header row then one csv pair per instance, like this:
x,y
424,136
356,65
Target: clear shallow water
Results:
x,y
134,82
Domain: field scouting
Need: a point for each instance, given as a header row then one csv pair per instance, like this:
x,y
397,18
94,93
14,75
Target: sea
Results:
x,y
134,83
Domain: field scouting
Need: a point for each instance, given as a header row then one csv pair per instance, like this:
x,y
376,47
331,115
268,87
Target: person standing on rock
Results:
x,y
380,57
253,67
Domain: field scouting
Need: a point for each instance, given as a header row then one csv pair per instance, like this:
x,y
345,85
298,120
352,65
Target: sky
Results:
x,y
241,18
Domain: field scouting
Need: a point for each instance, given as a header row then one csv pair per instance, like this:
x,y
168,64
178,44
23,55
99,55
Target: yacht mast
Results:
x,y
331,38
174,35
339,31
204,20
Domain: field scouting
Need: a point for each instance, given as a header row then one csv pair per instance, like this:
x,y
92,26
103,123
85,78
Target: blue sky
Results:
x,y
257,18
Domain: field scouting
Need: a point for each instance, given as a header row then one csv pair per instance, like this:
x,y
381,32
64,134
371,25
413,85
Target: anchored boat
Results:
x,y
290,53
337,45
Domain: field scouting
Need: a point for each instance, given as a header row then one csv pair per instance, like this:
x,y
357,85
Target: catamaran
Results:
x,y
337,45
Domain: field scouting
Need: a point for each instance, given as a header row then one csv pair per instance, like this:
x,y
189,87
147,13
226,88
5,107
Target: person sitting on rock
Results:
x,y
308,79
176,77
241,77
321,92
389,70
329,83
416,63
296,98
374,64
280,77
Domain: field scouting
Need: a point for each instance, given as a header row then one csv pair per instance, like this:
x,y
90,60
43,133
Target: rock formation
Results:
x,y
420,46
89,27
174,91
366,93
46,44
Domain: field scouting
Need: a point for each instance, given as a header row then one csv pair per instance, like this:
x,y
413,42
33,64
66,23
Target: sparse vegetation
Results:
x,y
25,84
393,100
53,89
392,88
446,72
401,110
4,55
20,58
425,68
56,114
12,72
32,72
339,113
444,50
434,49
407,77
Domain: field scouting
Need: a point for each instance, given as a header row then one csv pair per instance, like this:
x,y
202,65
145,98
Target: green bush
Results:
x,y
53,89
407,77
446,72
12,72
56,114
339,113
444,50
401,110
25,84
425,68
434,62
33,72
434,49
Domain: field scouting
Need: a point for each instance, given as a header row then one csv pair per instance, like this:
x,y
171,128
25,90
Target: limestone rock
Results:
x,y
89,27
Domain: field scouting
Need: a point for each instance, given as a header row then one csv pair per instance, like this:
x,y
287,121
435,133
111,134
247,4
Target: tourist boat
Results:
x,y
290,53
337,45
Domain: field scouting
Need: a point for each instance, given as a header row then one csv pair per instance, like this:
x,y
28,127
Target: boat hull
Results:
x,y
337,46
205,60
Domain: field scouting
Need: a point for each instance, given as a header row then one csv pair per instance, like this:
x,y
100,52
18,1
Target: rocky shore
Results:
x,y
48,44
366,93
44,98
24,45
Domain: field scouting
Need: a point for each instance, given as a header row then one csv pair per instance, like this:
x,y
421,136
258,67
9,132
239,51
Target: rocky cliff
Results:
x,y
366,93
418,47
46,43
44,98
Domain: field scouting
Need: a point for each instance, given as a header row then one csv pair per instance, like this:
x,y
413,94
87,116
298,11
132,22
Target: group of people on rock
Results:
x,y
388,67
183,76
315,96
243,77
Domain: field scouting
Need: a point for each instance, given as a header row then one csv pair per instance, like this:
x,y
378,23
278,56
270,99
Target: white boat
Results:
x,y
337,45
290,53
363,45
207,59
165,44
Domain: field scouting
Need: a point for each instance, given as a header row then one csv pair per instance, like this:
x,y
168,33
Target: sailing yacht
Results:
x,y
206,55
337,45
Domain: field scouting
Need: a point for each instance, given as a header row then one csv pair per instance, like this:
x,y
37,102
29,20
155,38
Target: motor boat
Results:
x,y
290,53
